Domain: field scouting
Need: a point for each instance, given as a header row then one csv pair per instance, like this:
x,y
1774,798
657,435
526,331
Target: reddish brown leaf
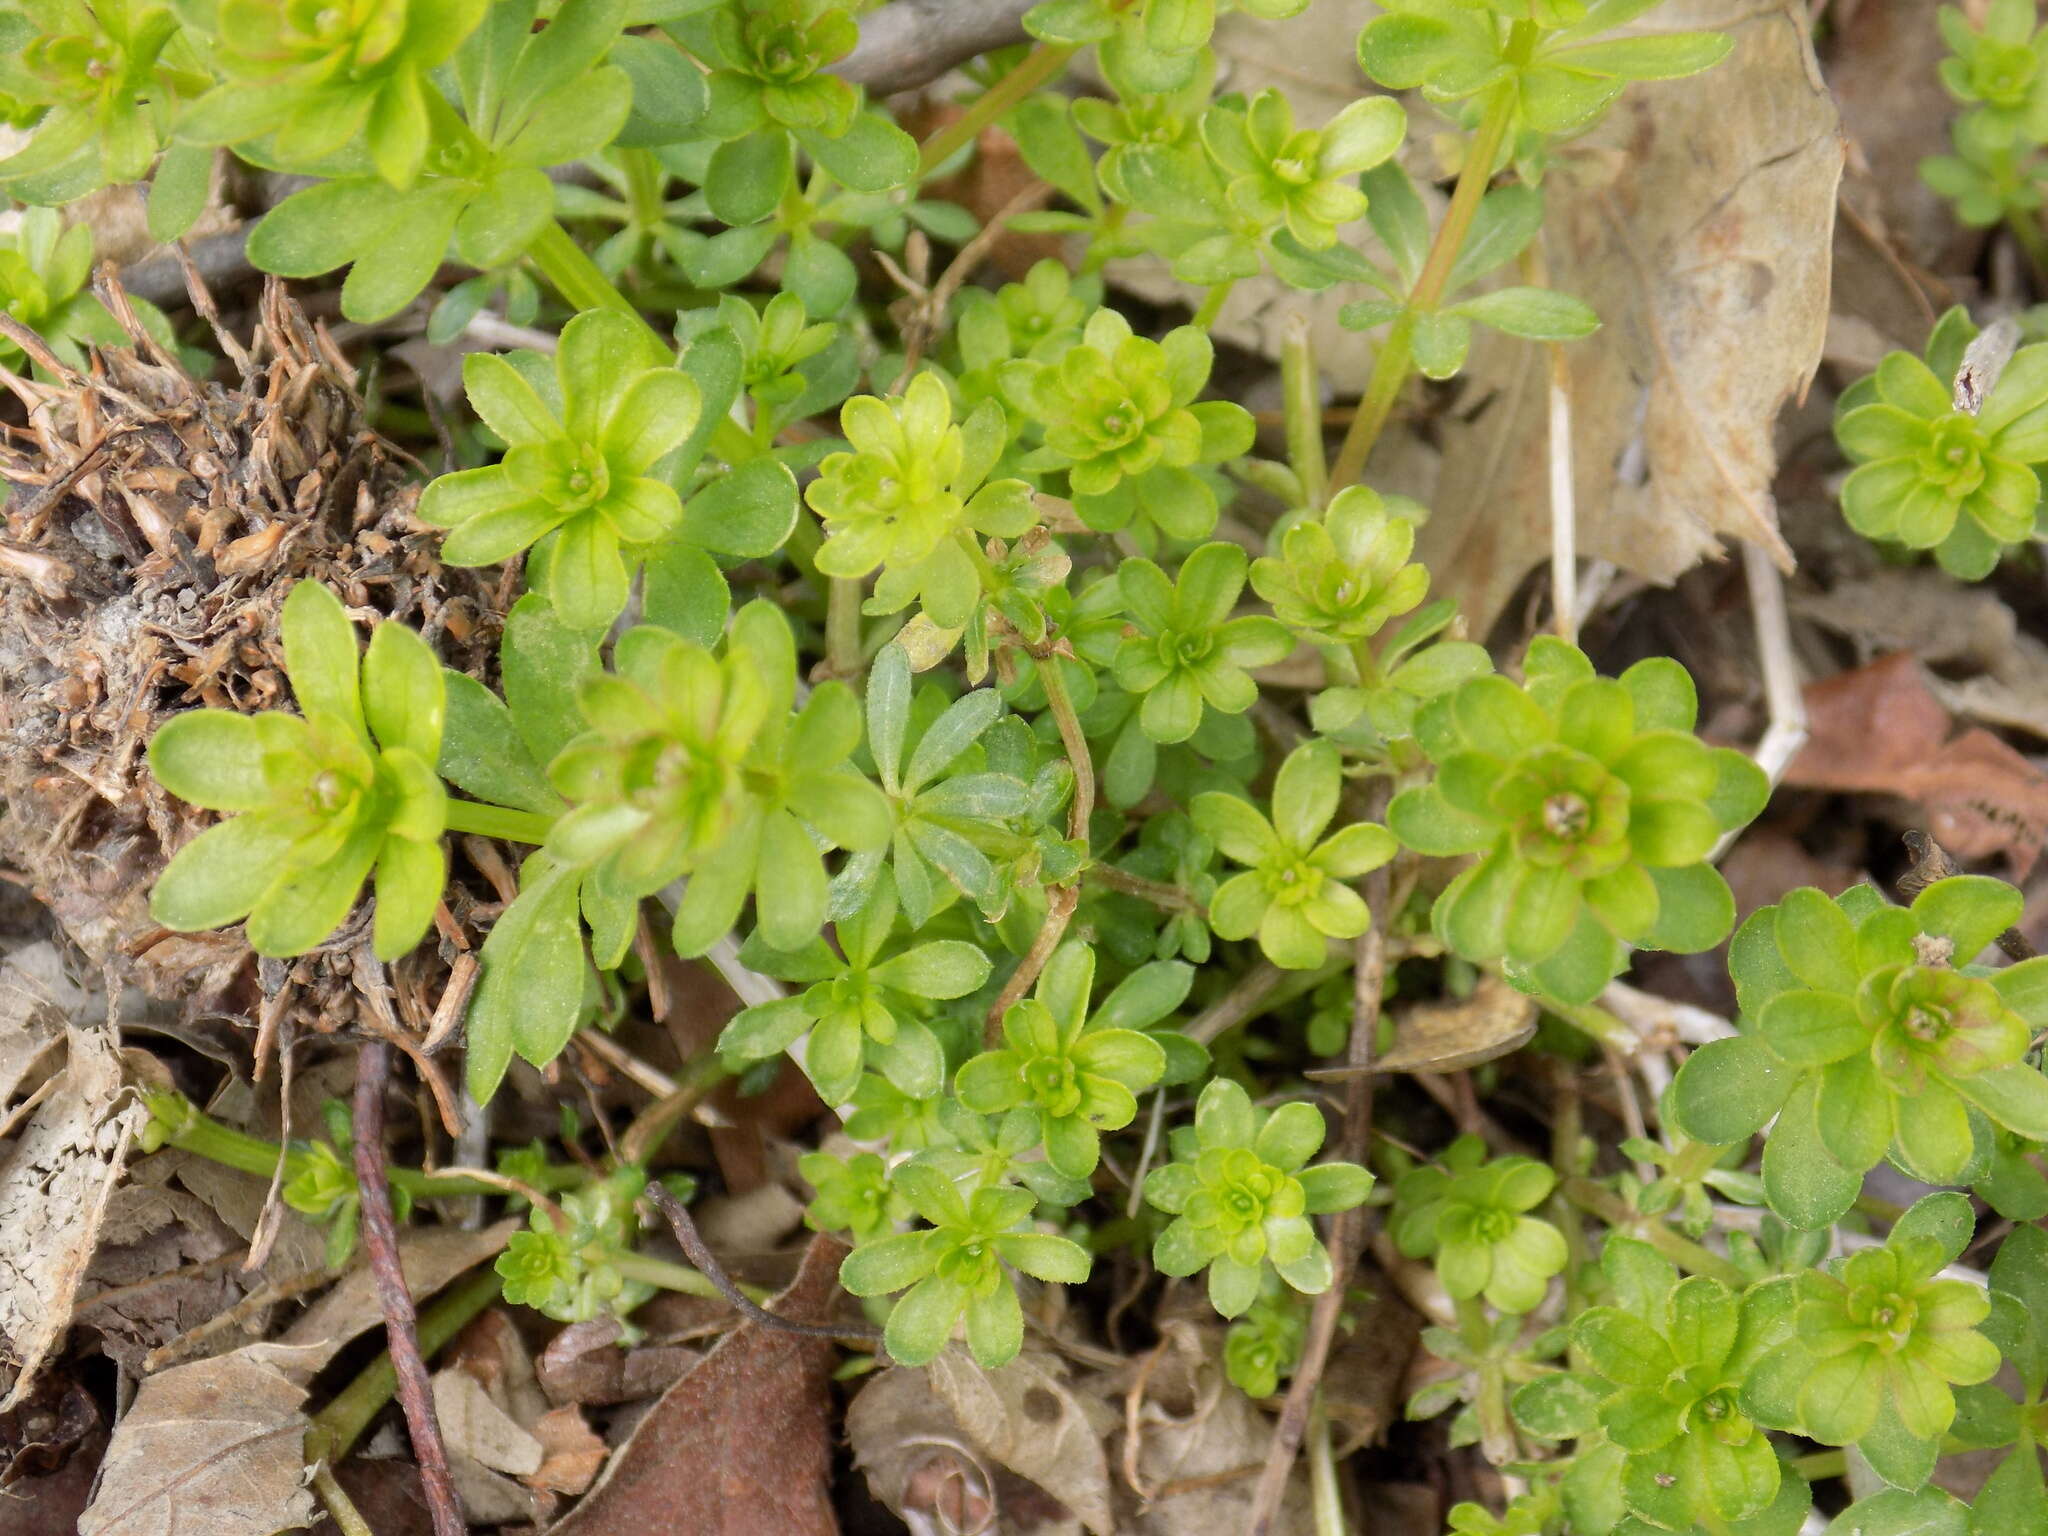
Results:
x,y
742,1444
1879,729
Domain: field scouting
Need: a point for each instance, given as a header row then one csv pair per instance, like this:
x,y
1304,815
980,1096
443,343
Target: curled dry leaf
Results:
x,y
1879,729
1696,220
952,1446
216,1445
1027,1418
1451,1035
743,1443
55,1182
1200,1442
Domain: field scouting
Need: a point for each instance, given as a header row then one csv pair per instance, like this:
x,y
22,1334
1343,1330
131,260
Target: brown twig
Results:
x,y
1347,1228
401,1322
1931,862
699,1253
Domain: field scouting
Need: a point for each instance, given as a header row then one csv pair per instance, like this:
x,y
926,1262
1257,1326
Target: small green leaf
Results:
x,y
1535,314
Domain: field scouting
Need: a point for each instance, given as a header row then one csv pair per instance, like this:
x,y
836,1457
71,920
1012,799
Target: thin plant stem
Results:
x,y
498,821
340,1507
579,280
1390,368
744,1298
1682,1251
1212,303
1168,898
1328,1504
1347,1232
1040,65
1301,390
2032,243
662,1274
1068,719
341,1423
380,1239
1060,900
842,627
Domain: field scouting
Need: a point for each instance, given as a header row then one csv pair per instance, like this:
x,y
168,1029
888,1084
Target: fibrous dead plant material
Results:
x,y
154,524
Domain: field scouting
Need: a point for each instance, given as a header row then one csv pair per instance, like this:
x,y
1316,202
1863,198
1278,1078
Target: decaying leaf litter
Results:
x,y
172,1333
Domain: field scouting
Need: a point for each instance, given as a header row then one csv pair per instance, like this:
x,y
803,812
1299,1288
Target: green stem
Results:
x,y
662,1274
1390,368
842,627
1322,1473
1301,390
579,280
2027,231
1068,719
1168,898
183,1125
1212,303
644,181
1682,1251
341,1423
340,1506
1039,65
1496,1429
498,821
1819,1464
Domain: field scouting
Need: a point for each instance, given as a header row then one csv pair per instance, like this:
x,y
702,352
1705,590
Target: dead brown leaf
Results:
x,y
584,1364
743,1444
1457,1033
1027,1418
1200,1443
1696,219
55,1182
1880,729
214,1446
432,1256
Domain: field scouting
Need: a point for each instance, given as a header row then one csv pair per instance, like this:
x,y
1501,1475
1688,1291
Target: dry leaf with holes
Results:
x,y
1029,1419
55,1181
214,1446
1879,729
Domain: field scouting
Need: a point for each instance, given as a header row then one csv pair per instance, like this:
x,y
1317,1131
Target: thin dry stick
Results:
x,y
699,1253
1564,517
1347,1229
401,1322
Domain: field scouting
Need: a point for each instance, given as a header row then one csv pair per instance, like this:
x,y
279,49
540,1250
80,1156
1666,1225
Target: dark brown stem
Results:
x,y
699,1253
1347,1228
1060,901
401,1323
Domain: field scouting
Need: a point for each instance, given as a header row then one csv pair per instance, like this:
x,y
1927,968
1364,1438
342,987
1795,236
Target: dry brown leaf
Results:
x,y
431,1256
585,1364
1880,729
1027,1417
1201,1444
478,1428
743,1444
31,1024
214,1446
1449,1036
571,1452
1696,219
55,1182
